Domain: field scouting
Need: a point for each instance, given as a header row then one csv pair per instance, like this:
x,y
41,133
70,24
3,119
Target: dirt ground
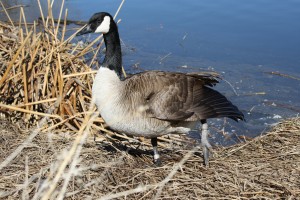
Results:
x,y
267,167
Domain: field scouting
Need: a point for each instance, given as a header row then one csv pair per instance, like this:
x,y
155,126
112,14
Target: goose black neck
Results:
x,y
113,56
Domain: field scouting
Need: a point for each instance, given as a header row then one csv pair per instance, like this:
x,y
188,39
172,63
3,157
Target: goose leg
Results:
x,y
204,141
156,157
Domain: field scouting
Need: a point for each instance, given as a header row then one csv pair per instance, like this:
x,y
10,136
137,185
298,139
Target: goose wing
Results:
x,y
177,96
189,97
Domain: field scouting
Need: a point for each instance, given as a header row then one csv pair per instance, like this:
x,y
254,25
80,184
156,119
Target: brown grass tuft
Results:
x,y
37,69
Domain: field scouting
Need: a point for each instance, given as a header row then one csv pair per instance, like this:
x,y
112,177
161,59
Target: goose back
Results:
x,y
174,97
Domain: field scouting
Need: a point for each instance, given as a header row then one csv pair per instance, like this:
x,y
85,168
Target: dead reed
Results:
x,y
39,68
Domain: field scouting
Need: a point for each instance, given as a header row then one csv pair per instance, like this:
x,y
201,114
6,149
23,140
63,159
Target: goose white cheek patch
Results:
x,y
104,26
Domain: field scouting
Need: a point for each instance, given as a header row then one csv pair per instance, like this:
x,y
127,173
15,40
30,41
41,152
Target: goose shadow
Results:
x,y
134,149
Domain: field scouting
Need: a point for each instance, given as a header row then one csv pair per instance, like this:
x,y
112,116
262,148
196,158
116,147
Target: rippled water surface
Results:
x,y
244,40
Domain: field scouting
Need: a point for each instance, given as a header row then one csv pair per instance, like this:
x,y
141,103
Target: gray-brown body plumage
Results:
x,y
155,103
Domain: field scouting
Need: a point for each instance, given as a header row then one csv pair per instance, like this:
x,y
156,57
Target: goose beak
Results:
x,y
85,30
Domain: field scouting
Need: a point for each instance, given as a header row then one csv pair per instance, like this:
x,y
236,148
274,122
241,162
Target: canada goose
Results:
x,y
153,103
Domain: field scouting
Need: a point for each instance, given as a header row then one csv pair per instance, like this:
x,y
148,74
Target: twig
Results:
x,y
119,8
14,7
24,19
284,75
29,111
42,14
65,26
59,18
4,9
37,102
231,87
164,57
282,105
79,74
25,190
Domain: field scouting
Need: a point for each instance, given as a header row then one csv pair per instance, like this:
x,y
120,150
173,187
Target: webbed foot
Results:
x,y
157,162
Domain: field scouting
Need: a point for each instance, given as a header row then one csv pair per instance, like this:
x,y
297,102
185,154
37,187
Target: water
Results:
x,y
243,40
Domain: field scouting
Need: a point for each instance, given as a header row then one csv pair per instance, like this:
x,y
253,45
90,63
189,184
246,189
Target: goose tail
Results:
x,y
212,104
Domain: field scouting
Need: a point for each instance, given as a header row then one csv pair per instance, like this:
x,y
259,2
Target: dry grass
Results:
x,y
48,152
39,68
266,167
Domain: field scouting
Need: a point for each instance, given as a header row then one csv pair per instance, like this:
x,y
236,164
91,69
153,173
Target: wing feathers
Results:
x,y
213,104
177,96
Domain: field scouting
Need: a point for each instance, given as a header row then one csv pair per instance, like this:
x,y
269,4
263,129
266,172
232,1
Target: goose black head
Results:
x,y
103,22
99,23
